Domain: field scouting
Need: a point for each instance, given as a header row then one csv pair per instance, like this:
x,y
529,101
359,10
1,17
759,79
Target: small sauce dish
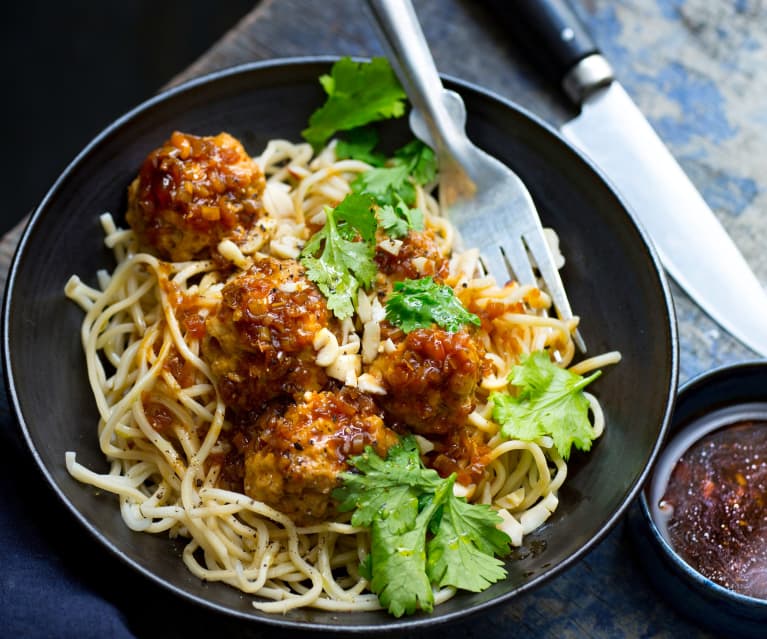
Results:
x,y
700,524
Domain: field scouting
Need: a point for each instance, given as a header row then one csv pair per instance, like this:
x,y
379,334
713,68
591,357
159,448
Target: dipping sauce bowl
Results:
x,y
700,525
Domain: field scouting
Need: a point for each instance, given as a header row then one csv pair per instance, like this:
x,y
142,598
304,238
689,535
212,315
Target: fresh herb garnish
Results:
x,y
394,182
386,184
422,303
549,401
420,160
360,144
360,93
421,533
397,219
346,260
357,93
393,189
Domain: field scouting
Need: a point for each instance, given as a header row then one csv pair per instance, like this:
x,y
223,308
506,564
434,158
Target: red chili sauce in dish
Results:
x,y
717,497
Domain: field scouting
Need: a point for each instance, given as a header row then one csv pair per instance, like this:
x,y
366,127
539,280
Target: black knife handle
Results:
x,y
557,41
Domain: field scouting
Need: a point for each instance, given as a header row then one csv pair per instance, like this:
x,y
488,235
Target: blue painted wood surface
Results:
x,y
697,70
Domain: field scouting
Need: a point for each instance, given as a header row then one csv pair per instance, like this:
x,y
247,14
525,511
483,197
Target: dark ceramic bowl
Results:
x,y
612,275
714,399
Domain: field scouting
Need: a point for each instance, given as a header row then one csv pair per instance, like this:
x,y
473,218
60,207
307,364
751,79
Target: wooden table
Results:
x,y
695,67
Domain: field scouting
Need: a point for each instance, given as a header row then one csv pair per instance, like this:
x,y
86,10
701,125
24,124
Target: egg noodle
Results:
x,y
167,478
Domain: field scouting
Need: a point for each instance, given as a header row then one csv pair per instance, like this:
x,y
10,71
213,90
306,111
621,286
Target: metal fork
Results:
x,y
486,201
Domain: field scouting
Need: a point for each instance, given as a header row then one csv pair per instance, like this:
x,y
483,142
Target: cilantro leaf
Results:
x,y
392,183
550,401
398,566
421,533
508,413
347,247
358,144
392,221
392,187
421,303
355,215
399,218
462,551
386,488
420,160
358,93
386,184
337,283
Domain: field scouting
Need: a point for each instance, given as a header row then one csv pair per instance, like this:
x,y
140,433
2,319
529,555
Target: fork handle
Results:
x,y
409,55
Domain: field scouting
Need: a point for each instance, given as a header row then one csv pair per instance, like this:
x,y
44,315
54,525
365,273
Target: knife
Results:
x,y
693,246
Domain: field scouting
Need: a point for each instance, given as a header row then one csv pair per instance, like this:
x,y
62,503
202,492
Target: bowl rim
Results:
x,y
393,624
697,385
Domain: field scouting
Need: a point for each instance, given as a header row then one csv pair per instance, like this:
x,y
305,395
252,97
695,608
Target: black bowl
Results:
x,y
613,278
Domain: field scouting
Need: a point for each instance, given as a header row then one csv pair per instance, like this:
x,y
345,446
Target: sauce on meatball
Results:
x,y
430,378
294,453
259,342
192,193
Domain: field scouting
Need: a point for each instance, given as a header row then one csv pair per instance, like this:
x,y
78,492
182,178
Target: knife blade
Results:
x,y
693,246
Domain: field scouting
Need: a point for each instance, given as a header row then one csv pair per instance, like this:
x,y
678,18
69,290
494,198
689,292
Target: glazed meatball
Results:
x,y
417,256
430,379
193,192
461,451
259,342
297,451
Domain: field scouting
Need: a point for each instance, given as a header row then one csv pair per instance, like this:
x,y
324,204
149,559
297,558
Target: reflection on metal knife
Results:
x,y
693,246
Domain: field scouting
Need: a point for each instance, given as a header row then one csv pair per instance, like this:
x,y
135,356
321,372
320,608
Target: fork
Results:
x,y
484,199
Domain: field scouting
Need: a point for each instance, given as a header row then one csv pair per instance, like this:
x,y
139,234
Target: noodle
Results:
x,y
167,475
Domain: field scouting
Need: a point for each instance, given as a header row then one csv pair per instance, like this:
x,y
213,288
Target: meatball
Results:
x,y
462,451
293,460
259,341
417,256
193,192
430,379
